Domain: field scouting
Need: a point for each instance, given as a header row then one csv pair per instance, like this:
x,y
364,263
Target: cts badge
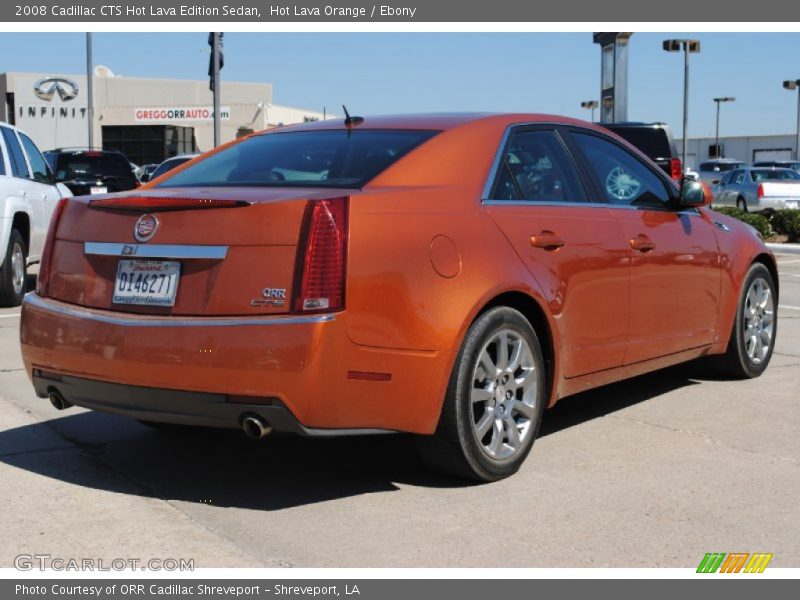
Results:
x,y
145,227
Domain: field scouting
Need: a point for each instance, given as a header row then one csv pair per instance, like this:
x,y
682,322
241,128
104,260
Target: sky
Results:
x,y
382,73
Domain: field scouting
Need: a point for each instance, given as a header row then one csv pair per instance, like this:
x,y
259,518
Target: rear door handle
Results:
x,y
642,243
547,240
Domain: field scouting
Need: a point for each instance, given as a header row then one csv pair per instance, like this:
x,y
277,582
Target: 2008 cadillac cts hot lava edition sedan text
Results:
x,y
444,275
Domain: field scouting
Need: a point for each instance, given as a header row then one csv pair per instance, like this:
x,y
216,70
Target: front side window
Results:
x,y
38,164
536,168
19,167
622,178
738,177
329,158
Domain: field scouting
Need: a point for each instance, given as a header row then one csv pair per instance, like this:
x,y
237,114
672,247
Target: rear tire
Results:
x,y
14,271
754,329
742,204
493,406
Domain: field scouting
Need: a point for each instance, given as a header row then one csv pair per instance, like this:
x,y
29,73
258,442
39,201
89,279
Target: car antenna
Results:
x,y
350,121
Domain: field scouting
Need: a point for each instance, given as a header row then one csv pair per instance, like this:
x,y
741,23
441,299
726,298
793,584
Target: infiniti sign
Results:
x,y
47,87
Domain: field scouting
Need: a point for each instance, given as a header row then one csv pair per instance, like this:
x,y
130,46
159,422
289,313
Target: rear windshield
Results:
x,y
652,141
341,158
774,175
720,167
80,165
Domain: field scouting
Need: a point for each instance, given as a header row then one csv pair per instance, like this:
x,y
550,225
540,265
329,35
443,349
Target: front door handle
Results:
x,y
642,243
547,240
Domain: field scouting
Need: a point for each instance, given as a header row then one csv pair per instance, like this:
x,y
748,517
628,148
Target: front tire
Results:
x,y
13,271
755,326
494,401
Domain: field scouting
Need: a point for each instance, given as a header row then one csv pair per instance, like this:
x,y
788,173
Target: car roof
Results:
x,y
432,121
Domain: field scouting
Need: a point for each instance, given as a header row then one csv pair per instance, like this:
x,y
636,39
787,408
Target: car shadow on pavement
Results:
x,y
224,468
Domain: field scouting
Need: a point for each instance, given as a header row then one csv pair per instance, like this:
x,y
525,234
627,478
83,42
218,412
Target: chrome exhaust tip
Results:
x,y
255,427
58,401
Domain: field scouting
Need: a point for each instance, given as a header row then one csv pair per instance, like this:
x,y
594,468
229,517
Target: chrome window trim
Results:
x,y
131,320
155,250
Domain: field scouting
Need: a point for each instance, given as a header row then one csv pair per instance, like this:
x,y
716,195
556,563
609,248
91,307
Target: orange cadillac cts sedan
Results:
x,y
444,275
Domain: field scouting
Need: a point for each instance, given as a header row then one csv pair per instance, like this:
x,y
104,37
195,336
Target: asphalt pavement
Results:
x,y
651,472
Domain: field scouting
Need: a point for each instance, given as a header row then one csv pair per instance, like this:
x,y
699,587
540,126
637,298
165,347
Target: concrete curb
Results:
x,y
785,248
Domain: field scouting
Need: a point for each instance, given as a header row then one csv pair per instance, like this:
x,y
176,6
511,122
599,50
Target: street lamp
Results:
x,y
688,46
716,137
791,86
591,105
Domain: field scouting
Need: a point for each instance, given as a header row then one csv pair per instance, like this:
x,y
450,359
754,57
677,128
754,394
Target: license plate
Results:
x,y
98,189
150,282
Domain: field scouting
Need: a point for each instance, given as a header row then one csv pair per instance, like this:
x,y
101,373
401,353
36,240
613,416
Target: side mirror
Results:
x,y
694,193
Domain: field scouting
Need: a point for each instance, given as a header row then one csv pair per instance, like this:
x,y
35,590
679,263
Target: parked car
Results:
x,y
711,171
28,196
87,172
171,163
655,140
756,189
784,164
444,275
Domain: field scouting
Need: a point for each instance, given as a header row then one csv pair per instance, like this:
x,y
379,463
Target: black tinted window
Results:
x,y
536,168
622,177
91,165
652,141
303,158
38,165
19,167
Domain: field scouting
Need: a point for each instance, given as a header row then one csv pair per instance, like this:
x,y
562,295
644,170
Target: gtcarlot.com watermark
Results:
x,y
45,562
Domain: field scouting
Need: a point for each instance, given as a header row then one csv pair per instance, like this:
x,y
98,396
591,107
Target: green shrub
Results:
x,y
787,222
760,222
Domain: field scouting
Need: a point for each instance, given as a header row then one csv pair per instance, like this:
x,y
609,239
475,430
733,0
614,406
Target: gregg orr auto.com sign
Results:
x,y
180,113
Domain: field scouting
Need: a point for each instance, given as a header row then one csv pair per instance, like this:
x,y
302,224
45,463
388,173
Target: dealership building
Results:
x,y
146,119
747,148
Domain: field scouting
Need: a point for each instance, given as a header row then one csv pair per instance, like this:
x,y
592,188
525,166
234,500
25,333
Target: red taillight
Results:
x,y
760,190
45,264
156,203
321,257
675,169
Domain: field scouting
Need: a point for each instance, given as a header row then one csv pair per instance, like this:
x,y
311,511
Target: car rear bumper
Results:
x,y
301,371
175,406
768,203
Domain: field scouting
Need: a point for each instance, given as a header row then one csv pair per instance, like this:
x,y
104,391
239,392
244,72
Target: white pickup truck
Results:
x,y
28,195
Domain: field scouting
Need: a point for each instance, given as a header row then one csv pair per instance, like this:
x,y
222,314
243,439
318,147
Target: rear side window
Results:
x,y
91,165
535,168
19,168
38,164
622,178
338,158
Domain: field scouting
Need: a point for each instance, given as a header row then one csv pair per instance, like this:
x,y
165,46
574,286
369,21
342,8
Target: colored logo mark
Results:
x,y
734,562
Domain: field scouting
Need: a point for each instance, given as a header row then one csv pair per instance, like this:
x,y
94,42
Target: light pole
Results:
x,y
716,137
791,86
688,46
591,105
90,89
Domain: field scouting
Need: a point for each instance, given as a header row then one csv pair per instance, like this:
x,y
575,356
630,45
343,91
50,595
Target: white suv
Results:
x,y
28,195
